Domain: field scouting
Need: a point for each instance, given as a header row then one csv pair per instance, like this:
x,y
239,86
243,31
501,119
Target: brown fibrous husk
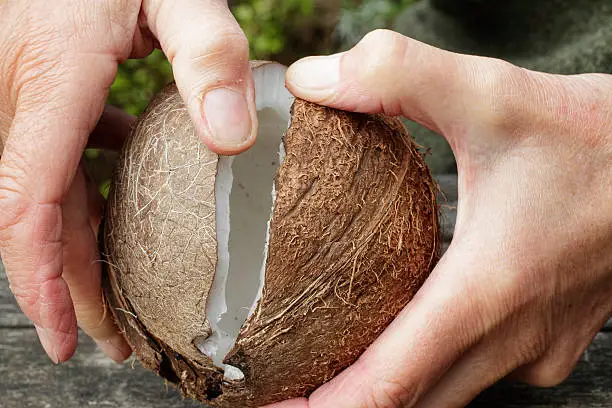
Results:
x,y
353,236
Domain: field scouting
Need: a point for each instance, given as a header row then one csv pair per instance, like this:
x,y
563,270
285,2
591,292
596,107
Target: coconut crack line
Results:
x,y
245,195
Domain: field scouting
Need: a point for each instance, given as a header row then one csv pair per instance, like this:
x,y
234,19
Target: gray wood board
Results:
x,y
28,379
447,199
448,186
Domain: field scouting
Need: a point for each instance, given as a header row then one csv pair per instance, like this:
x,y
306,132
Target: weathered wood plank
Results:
x,y
29,380
448,186
590,385
448,217
447,199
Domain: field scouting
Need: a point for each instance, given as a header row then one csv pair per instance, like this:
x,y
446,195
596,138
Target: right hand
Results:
x,y
58,60
527,280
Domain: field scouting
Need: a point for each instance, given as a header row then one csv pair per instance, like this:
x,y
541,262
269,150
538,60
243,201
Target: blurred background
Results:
x,y
284,31
279,30
557,36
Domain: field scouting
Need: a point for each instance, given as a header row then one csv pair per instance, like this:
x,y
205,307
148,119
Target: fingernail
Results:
x,y
227,113
45,340
115,348
319,74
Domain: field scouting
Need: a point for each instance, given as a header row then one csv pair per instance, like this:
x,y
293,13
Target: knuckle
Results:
x,y
222,38
384,53
19,207
33,60
384,47
27,291
391,394
14,201
501,86
223,59
228,45
548,373
25,295
384,392
381,35
93,317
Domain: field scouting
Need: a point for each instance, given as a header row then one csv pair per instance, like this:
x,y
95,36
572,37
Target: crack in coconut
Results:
x,y
245,195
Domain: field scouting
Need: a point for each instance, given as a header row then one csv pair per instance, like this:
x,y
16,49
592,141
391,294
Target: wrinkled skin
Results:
x,y
527,280
57,61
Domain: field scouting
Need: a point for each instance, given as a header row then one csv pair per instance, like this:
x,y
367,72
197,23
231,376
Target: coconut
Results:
x,y
251,279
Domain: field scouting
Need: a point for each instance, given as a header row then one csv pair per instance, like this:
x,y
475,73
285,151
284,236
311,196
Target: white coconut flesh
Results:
x,y
245,194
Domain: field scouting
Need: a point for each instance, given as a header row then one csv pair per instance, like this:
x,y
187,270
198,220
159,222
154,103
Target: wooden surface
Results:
x,y
29,379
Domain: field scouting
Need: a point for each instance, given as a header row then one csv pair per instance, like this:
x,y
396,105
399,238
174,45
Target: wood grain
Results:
x,y
29,379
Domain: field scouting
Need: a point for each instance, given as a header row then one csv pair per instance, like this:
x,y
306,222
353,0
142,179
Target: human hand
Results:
x,y
57,62
527,280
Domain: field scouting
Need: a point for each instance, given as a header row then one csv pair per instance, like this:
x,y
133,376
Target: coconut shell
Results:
x,y
354,234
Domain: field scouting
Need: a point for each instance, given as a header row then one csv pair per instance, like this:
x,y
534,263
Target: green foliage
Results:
x,y
267,24
264,22
105,188
138,80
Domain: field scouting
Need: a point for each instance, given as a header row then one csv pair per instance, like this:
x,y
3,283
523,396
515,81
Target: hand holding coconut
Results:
x,y
527,280
57,62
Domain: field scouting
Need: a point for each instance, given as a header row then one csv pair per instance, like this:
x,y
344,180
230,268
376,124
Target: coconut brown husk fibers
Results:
x,y
354,234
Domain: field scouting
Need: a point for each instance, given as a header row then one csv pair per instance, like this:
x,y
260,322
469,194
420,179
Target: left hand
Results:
x,y
527,280
58,60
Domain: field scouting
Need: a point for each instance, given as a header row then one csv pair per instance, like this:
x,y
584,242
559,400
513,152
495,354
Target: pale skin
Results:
x,y
57,62
522,290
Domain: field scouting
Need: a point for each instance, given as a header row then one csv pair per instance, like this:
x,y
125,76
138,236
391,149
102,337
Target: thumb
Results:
x,y
393,74
210,59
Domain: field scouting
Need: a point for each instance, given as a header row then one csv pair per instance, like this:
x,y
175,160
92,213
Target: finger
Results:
x,y
82,273
40,159
112,129
294,403
387,72
421,344
210,59
95,202
546,372
554,366
482,366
